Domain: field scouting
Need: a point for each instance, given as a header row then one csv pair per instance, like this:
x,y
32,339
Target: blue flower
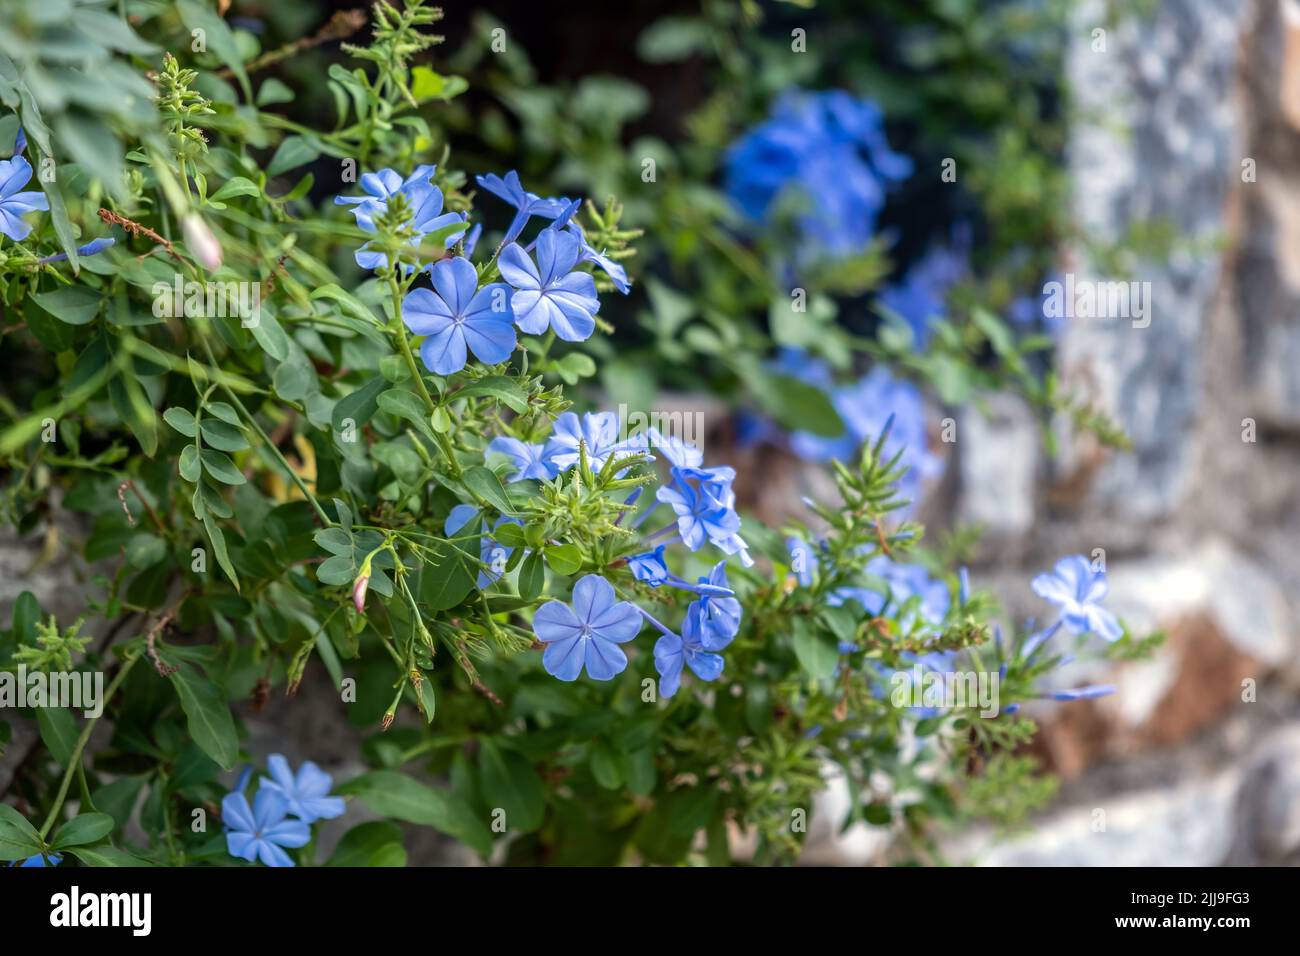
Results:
x,y
589,632
616,273
649,567
1076,589
718,613
15,173
598,431
307,794
259,832
38,860
878,400
92,248
676,450
457,314
705,507
422,196
549,294
822,157
530,460
920,296
527,204
673,652
492,554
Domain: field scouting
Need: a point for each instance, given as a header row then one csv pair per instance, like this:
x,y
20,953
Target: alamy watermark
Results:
x,y
214,300
946,689
678,426
1090,299
75,690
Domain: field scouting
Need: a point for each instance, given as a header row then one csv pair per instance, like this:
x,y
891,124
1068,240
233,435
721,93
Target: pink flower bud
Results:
x,y
359,593
201,242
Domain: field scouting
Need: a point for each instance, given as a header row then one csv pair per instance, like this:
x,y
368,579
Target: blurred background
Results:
x,y
1155,142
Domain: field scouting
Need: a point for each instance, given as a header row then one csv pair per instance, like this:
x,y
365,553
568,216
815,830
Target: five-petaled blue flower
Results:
x,y
258,832
672,652
589,632
457,314
649,567
549,294
422,196
706,509
529,459
616,273
1076,589
527,204
307,794
15,173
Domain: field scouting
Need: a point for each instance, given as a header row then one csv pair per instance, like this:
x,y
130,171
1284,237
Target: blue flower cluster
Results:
x,y
822,156
587,631
281,814
544,288
15,173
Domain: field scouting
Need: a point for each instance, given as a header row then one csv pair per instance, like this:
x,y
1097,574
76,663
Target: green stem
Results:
x,y
75,761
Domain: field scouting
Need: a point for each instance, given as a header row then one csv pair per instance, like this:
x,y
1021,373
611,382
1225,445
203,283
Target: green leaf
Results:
x,y
223,436
292,153
270,335
106,856
485,485
182,419
293,380
403,404
511,783
815,650
564,559
218,539
427,85
207,716
144,550
337,571
59,732
237,185
335,541
83,829
510,534
189,463
504,390
360,405
393,794
220,39
273,91
73,304
18,838
370,844
532,576
133,406
448,577
220,467
795,405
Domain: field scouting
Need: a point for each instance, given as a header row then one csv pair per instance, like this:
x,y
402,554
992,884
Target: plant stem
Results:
x,y
75,761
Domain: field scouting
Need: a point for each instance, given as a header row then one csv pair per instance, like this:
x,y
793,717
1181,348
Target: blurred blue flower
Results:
x,y
306,794
1076,589
92,248
529,459
15,173
588,632
921,294
457,315
38,860
824,156
866,407
258,832
525,203
549,294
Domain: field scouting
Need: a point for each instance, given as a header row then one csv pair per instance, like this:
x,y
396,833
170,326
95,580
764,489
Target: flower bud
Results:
x,y
201,242
359,587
